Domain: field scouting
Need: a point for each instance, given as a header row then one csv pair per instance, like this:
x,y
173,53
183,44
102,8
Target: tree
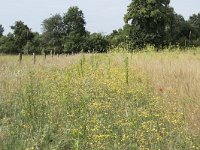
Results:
x,y
7,44
75,30
34,46
1,30
180,32
194,22
119,38
74,21
174,30
53,32
22,35
97,42
74,42
148,19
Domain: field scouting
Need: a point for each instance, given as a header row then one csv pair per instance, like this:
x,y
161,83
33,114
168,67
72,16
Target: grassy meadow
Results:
x,y
116,101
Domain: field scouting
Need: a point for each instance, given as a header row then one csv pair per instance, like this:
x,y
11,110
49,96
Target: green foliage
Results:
x,y
33,46
148,22
22,40
53,31
1,30
97,42
7,44
73,42
22,34
118,38
64,34
75,30
149,19
183,33
74,21
194,21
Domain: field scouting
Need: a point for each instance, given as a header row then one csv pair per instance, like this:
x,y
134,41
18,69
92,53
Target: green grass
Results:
x,y
93,101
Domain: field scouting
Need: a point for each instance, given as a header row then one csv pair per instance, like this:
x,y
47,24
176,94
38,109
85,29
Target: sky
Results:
x,y
101,15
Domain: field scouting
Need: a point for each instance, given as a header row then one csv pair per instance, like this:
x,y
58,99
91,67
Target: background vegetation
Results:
x,y
147,22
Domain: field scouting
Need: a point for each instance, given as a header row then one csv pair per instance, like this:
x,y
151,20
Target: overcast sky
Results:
x,y
101,15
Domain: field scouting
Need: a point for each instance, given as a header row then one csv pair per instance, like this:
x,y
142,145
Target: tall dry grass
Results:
x,y
176,77
106,101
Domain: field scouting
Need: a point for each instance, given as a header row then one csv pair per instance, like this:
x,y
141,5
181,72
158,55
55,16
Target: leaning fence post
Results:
x,y
51,53
20,57
126,61
34,58
45,55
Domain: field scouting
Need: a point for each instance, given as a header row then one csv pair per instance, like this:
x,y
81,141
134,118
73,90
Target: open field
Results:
x,y
101,101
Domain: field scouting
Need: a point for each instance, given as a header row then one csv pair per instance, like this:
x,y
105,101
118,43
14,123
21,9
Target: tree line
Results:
x,y
147,22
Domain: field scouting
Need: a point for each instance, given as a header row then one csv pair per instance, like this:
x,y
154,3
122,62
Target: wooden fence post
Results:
x,y
51,53
20,57
34,58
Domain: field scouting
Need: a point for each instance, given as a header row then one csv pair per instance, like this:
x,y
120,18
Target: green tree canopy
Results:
x,y
75,30
74,21
149,19
1,30
7,44
22,34
34,46
53,32
194,21
119,38
97,42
